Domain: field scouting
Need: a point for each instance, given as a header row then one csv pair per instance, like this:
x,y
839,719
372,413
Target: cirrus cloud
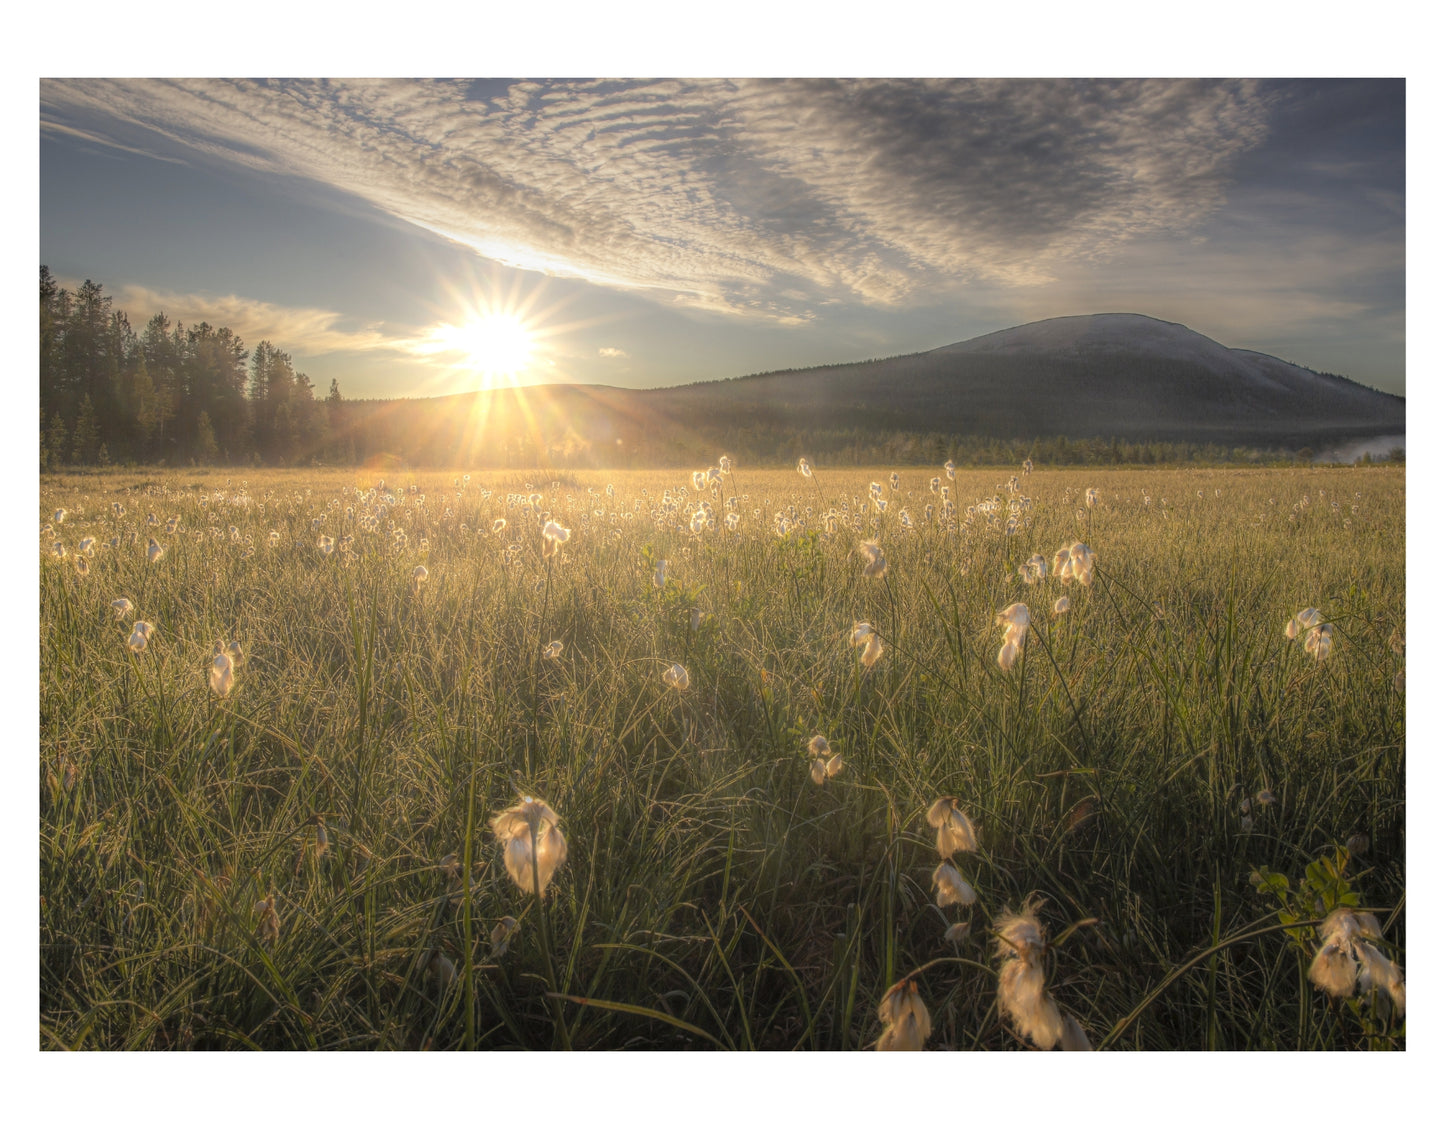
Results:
x,y
758,197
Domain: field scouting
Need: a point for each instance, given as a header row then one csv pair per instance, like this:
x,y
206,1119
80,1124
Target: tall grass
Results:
x,y
713,896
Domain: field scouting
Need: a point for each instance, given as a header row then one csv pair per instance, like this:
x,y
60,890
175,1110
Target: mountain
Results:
x,y
1095,376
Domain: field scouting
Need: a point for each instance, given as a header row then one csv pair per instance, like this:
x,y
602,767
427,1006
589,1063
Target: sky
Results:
x,y
657,232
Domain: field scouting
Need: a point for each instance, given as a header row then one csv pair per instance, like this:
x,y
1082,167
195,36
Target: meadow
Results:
x,y
275,818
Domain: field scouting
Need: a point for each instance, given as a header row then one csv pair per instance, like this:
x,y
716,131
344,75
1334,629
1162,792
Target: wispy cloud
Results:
x,y
609,352
767,198
300,330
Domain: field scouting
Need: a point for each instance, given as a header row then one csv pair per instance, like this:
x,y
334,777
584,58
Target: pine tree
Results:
x,y
52,451
87,434
206,449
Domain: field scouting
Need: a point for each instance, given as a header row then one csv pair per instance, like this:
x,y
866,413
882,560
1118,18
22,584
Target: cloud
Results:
x,y
299,330
722,195
609,352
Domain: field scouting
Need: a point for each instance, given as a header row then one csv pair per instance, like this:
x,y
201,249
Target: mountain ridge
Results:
x,y
1089,377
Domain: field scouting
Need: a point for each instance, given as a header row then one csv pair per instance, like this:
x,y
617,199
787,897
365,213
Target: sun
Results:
x,y
496,344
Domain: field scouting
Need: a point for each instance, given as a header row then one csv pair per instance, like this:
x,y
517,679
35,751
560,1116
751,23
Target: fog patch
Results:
x,y
1377,448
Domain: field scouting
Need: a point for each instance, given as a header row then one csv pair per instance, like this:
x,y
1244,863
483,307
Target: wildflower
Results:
x,y
676,677
59,517
1014,620
1346,960
325,545
1319,641
502,934
223,674
1061,605
154,552
140,635
553,538
872,651
951,887
442,970
57,550
1091,497
805,468
861,631
1302,621
1034,569
948,468
499,525
1081,560
906,1025
552,650
86,546
893,480
699,480
531,841
1021,992
955,831
818,746
957,932
418,578
876,564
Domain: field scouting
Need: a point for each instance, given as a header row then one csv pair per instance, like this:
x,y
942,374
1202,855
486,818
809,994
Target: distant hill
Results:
x,y
1095,376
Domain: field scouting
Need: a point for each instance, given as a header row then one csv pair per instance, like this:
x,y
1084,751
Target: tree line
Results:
x,y
170,393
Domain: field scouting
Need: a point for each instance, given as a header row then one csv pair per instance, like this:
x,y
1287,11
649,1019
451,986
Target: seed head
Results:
x,y
530,837
955,830
906,1024
676,677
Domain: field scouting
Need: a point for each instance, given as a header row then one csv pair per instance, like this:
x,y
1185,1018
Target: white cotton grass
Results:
x,y
533,846
1302,621
659,575
122,607
676,677
950,888
826,764
418,578
1034,569
554,537
805,468
1348,961
502,934
223,674
1022,995
1320,641
154,551
1014,620
1061,605
906,1023
872,650
552,650
875,564
140,636
955,830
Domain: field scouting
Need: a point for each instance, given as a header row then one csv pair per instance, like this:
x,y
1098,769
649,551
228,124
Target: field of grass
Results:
x,y
1181,791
